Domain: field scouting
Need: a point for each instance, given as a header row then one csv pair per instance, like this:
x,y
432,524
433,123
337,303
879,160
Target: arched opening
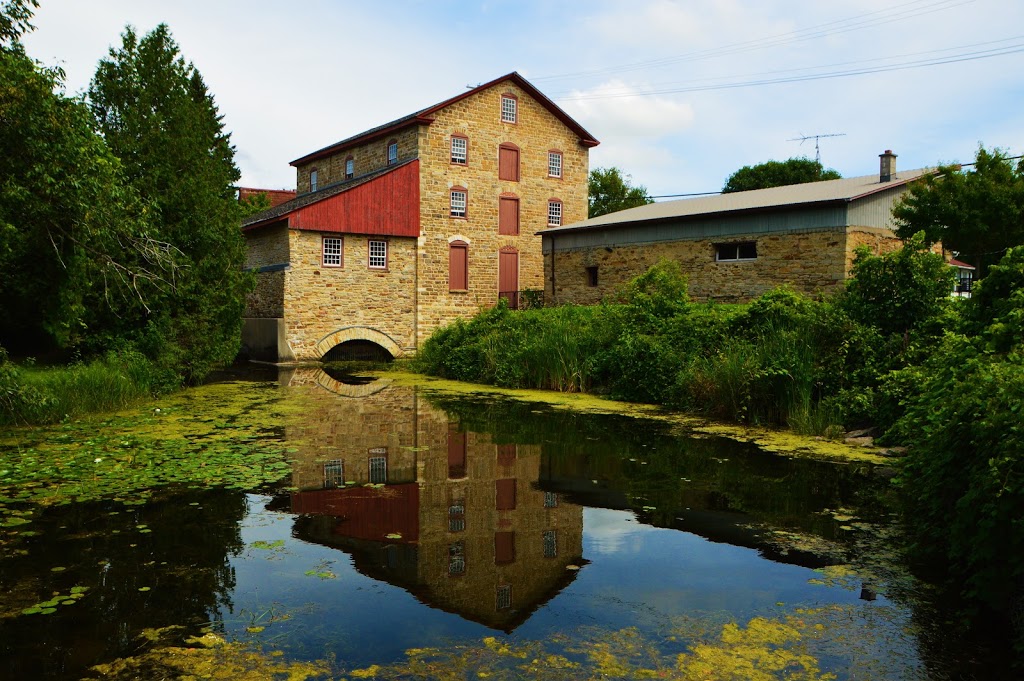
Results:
x,y
359,350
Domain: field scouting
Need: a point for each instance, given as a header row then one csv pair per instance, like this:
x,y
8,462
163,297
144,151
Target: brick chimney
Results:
x,y
886,166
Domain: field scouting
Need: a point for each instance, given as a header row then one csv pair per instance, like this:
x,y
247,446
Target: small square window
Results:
x,y
313,180
332,251
554,213
592,276
350,169
554,164
508,109
392,153
459,145
458,204
742,250
378,255
550,500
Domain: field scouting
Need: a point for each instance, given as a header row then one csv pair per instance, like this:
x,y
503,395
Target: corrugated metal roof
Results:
x,y
846,189
423,117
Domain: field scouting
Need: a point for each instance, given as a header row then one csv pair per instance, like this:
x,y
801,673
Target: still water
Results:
x,y
347,521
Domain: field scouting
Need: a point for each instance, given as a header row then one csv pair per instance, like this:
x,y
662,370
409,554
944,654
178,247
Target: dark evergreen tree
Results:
x,y
157,116
778,174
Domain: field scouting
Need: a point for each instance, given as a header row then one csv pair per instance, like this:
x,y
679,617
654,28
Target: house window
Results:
x,y
459,147
350,168
456,558
378,255
741,250
312,180
554,164
508,215
508,162
378,469
550,499
503,597
458,273
508,109
392,152
456,516
592,276
334,474
332,251
459,199
554,213
550,544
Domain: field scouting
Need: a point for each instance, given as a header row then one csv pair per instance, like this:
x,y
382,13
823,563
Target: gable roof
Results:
x,y
425,117
829,191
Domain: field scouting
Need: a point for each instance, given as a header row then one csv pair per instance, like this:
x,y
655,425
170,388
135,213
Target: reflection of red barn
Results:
x,y
366,513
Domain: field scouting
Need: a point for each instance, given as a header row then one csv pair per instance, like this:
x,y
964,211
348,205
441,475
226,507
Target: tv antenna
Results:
x,y
817,151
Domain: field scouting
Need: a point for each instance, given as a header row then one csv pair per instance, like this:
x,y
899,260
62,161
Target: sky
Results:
x,y
681,93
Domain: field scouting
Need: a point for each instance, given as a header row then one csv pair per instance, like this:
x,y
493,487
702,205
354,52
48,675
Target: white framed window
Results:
x,y
378,259
459,147
313,180
392,153
509,107
334,473
378,469
554,164
456,558
332,251
554,213
550,543
456,517
550,499
503,597
350,168
739,250
458,203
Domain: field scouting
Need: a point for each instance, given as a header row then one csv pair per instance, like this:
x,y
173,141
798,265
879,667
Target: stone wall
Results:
x,y
365,158
320,301
811,262
535,133
266,247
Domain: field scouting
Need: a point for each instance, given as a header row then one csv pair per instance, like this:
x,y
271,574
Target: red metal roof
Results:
x,y
423,117
957,263
387,204
276,196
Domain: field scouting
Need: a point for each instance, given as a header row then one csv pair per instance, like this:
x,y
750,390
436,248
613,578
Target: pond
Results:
x,y
322,525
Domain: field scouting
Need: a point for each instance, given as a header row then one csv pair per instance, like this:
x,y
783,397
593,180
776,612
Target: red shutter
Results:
x,y
508,275
458,266
504,547
506,494
508,215
508,163
456,454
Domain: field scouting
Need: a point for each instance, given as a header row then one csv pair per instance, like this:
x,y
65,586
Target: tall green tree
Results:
x,y
778,174
611,191
73,240
156,114
976,213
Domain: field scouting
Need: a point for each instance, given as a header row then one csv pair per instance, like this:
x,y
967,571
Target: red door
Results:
x,y
508,276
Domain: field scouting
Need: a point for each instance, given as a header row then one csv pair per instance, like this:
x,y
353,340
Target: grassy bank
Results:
x,y
31,394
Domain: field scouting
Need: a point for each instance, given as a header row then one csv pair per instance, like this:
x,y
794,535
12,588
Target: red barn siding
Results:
x,y
387,206
366,513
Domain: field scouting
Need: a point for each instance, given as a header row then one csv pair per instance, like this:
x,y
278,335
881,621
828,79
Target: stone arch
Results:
x,y
335,386
351,333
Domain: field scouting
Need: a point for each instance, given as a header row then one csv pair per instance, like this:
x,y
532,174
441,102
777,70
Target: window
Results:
x,y
741,250
334,474
592,276
508,162
459,199
459,147
550,500
392,152
313,180
554,164
350,168
378,469
378,255
456,558
550,544
458,276
504,548
503,597
554,213
508,215
332,256
508,108
456,516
